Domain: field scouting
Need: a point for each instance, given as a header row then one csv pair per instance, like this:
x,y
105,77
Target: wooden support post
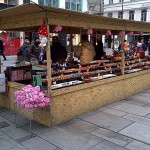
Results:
x,y
122,55
48,55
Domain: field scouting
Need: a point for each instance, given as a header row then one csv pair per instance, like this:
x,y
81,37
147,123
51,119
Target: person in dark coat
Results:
x,y
34,50
58,52
99,50
2,48
23,54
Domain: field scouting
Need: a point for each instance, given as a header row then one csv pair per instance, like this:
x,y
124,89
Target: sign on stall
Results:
x,y
2,83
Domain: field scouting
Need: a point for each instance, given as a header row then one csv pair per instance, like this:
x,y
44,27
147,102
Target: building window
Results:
x,y
131,15
73,5
51,3
143,15
120,15
110,1
121,1
110,15
26,1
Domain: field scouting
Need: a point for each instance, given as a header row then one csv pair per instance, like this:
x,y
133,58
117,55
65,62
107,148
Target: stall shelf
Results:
x,y
72,101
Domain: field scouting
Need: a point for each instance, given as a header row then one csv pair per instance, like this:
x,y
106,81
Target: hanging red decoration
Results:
x,y
43,30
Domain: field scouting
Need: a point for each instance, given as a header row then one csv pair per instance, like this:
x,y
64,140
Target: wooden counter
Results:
x,y
75,100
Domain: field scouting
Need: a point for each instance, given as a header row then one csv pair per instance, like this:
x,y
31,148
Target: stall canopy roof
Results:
x,y
28,17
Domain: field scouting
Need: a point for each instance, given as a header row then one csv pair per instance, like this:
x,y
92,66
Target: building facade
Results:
x,y
96,6
138,10
75,5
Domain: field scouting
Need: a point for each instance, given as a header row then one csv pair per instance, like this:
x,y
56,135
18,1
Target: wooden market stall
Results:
x,y
72,101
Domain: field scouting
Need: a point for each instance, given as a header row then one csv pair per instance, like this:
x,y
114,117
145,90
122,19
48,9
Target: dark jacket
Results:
x,y
34,51
58,53
24,51
99,50
1,46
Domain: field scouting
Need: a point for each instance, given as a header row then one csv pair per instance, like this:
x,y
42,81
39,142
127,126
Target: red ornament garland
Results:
x,y
43,30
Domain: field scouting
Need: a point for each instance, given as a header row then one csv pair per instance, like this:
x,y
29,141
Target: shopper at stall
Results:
x,y
99,50
126,48
34,50
58,52
85,51
2,49
23,51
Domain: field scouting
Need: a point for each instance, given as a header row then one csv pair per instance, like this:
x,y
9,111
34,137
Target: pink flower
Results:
x,y
108,33
90,31
58,28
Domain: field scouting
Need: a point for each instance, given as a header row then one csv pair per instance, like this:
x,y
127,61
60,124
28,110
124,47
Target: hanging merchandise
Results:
x,y
121,33
43,30
131,33
90,31
108,33
141,33
58,28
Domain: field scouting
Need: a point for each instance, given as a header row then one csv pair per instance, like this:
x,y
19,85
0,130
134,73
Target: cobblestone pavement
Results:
x,y
124,125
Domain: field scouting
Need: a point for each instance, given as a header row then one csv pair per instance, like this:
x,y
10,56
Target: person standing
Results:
x,y
34,51
85,51
2,48
23,51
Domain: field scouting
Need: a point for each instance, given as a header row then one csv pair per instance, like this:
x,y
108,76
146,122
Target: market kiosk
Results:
x,y
75,99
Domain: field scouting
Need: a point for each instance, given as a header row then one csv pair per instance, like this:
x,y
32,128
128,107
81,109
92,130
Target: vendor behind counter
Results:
x,y
58,52
85,51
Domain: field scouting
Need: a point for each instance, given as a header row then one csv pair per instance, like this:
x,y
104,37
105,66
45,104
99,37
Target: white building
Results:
x,y
138,10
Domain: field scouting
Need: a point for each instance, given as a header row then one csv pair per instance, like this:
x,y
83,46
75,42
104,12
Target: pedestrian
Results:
x,y
2,48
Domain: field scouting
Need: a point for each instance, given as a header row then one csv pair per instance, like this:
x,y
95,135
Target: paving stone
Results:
x,y
6,143
82,125
133,109
37,143
112,111
107,146
137,119
142,98
2,109
138,131
21,120
15,133
3,124
137,102
37,128
23,139
136,145
112,136
70,138
107,121
144,94
147,116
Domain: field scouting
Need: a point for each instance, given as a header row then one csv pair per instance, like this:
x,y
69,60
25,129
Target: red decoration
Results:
x,y
43,30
